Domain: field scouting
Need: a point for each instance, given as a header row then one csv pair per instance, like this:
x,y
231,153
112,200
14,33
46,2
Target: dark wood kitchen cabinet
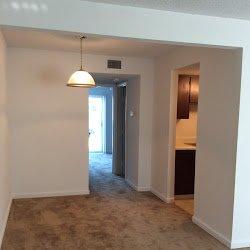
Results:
x,y
194,89
188,90
184,172
183,97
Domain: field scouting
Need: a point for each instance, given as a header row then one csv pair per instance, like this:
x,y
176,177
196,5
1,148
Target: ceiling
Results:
x,y
62,41
110,79
220,8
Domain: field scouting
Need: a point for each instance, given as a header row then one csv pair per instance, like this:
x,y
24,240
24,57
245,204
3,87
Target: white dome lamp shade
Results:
x,y
81,78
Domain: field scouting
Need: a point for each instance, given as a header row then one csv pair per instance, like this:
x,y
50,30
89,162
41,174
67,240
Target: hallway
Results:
x,y
113,216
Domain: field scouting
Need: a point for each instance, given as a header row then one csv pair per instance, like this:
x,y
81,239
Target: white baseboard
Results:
x,y
49,194
143,189
131,184
5,219
135,187
161,196
223,239
235,245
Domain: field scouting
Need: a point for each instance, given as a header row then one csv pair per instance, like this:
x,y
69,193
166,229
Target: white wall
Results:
x,y
48,125
220,72
49,121
187,128
241,219
5,186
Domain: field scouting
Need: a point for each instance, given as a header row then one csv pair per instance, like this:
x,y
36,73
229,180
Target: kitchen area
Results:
x,y
186,137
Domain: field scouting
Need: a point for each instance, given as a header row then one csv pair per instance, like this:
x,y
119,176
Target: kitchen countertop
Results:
x,y
184,145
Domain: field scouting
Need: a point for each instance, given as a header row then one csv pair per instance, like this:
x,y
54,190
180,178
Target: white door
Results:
x,y
96,123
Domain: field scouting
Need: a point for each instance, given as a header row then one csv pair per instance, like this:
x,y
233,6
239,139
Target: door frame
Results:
x,y
172,138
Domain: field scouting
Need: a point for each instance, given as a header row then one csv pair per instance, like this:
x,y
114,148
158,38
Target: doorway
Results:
x,y
187,93
101,129
96,123
111,127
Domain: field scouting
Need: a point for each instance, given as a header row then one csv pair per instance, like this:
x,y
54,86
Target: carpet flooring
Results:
x,y
113,216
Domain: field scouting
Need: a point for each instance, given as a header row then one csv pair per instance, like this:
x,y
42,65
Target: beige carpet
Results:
x,y
112,217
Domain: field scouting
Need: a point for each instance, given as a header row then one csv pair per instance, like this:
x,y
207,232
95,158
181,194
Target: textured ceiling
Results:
x,y
107,79
220,8
23,38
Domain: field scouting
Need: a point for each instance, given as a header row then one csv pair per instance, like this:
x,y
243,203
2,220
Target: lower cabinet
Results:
x,y
184,172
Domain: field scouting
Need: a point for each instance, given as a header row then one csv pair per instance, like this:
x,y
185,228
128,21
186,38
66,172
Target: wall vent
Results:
x,y
114,64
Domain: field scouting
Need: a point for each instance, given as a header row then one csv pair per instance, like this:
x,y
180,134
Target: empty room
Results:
x,y
124,124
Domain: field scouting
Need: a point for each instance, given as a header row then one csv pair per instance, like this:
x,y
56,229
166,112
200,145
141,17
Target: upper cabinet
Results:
x,y
194,89
188,91
183,97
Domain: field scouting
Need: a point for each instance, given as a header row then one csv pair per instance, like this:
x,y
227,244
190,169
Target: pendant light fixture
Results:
x,y
81,78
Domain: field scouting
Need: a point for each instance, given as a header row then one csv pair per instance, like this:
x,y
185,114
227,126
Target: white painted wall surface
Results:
x,y
49,121
220,72
5,185
241,219
187,128
48,125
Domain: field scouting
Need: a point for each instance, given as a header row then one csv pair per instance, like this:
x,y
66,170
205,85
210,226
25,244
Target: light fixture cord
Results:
x,y
81,51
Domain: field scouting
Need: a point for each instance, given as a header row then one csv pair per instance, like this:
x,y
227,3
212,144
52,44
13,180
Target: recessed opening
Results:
x,y
187,87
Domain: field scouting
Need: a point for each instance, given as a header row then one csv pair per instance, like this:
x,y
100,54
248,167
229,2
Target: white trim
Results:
x,y
135,187
5,219
131,184
49,194
104,124
223,239
143,189
161,196
242,244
